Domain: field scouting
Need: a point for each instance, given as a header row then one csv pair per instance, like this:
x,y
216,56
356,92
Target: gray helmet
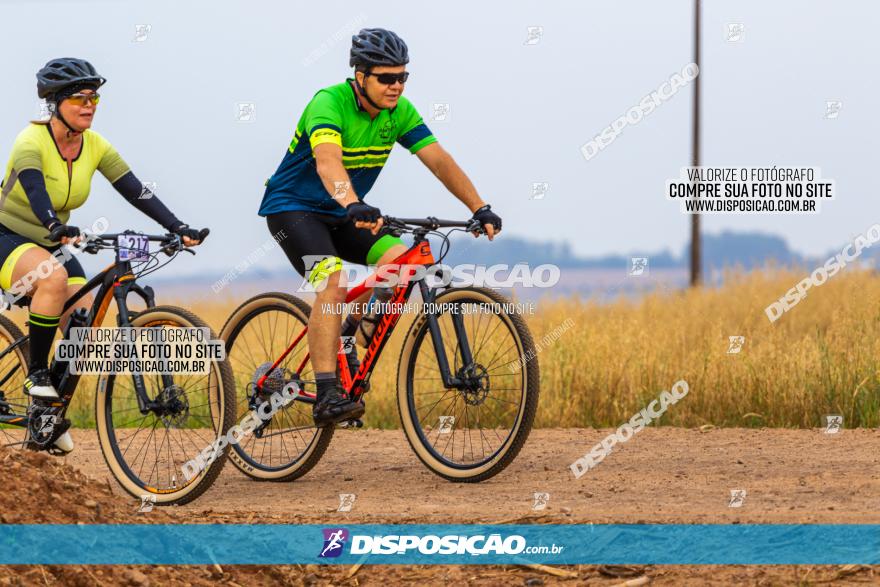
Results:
x,y
65,72
372,47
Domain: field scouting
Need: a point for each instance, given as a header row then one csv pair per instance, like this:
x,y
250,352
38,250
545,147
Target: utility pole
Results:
x,y
696,275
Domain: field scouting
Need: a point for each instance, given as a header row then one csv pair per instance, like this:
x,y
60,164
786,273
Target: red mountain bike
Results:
x,y
467,384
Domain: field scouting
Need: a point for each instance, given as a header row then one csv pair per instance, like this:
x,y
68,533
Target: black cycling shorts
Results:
x,y
13,245
318,243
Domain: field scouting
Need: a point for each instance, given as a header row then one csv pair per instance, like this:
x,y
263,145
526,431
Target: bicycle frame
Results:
x,y
115,282
355,384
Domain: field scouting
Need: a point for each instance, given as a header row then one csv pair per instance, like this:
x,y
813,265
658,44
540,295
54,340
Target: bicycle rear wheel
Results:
x,y
256,334
14,355
472,432
147,453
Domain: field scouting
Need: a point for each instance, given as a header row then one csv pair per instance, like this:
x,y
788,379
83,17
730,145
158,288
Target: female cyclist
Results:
x,y
49,174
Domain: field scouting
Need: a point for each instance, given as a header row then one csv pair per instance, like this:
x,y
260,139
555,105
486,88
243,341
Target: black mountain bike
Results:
x,y
148,425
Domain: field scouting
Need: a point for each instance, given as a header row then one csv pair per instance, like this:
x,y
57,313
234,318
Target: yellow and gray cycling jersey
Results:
x,y
68,187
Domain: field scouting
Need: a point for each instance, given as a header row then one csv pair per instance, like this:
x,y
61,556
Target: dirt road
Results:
x,y
660,476
664,475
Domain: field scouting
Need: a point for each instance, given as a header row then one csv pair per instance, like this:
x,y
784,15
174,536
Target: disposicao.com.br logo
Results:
x,y
334,541
493,544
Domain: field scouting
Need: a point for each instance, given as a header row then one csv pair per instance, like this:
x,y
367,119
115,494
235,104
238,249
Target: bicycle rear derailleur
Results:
x,y
274,382
45,425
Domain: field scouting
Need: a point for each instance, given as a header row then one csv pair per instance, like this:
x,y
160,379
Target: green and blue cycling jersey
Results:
x,y
335,116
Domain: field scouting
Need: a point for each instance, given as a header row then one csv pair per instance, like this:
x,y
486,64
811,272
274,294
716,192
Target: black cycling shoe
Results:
x,y
333,405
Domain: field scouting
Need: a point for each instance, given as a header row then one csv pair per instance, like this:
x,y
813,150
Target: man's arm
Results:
x,y
444,167
328,160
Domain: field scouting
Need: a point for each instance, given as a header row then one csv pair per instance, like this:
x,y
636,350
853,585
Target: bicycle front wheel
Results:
x,y
472,431
151,453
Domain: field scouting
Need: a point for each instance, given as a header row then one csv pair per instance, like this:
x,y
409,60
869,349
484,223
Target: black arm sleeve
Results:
x,y
35,187
144,200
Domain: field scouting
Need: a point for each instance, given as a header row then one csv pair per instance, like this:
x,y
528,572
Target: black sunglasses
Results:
x,y
390,78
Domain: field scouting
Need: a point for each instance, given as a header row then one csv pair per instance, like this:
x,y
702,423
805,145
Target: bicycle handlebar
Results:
x,y
167,237
171,242
433,223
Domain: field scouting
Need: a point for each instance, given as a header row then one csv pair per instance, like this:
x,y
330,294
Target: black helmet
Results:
x,y
65,72
371,47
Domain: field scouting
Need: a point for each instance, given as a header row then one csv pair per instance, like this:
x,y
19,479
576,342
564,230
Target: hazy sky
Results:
x,y
518,112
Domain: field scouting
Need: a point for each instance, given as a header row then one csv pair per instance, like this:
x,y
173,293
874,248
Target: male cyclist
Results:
x,y
340,145
49,174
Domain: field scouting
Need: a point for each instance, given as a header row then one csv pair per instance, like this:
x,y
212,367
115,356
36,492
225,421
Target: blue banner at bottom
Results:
x,y
655,544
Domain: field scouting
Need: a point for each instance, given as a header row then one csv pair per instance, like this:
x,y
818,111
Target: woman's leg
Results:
x,y
37,274
29,269
85,302
76,279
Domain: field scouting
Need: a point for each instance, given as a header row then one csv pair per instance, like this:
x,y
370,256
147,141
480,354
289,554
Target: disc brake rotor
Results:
x,y
175,406
476,384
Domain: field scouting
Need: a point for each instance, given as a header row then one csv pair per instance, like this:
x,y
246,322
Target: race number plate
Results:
x,y
133,247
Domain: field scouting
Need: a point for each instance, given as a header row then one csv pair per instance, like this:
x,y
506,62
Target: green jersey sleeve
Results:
x,y
109,162
414,133
322,119
27,154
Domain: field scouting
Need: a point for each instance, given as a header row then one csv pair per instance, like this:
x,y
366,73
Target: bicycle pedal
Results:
x,y
356,423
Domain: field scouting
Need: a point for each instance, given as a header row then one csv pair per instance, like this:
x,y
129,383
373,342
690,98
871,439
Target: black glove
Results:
x,y
361,212
58,231
485,215
183,230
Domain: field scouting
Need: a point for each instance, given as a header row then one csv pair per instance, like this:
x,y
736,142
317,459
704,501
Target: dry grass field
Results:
x,y
820,358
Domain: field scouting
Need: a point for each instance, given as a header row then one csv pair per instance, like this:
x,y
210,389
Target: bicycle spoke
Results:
x,y
261,340
484,414
153,448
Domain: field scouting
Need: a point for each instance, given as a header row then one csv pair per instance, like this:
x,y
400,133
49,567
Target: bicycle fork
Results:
x,y
123,320
449,379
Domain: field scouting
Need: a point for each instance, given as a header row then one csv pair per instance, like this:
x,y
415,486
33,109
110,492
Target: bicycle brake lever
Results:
x,y
474,226
174,244
91,243
394,227
179,246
